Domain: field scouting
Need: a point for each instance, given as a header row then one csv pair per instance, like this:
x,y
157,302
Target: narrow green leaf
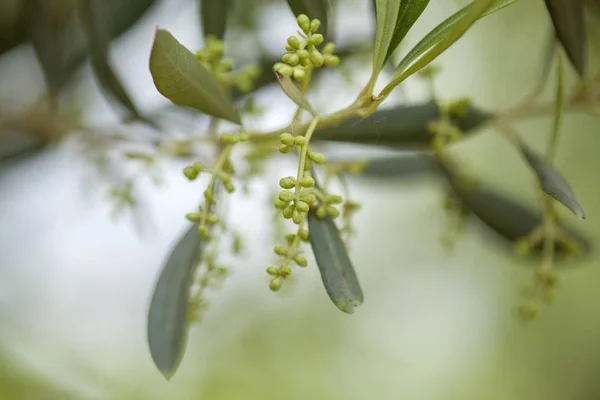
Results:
x,y
558,109
568,17
337,272
168,313
444,35
386,21
410,11
213,15
397,166
293,92
181,78
401,126
314,9
504,216
551,180
95,18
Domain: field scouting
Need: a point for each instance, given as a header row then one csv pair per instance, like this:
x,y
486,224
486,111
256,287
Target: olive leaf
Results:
x,y
181,78
314,9
568,18
442,37
410,11
397,166
386,15
168,313
94,15
401,126
501,214
551,181
293,92
337,272
213,15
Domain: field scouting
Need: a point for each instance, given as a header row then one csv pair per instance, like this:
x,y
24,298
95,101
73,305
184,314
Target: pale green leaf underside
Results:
x,y
181,78
337,272
442,32
386,12
293,93
168,314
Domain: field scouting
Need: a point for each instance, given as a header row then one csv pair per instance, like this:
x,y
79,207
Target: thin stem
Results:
x,y
303,155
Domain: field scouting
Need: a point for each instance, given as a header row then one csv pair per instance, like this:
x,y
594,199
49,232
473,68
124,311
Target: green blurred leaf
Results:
x,y
558,109
337,272
568,17
95,18
12,25
293,92
181,78
401,126
213,15
386,16
168,314
552,181
400,166
314,9
503,215
410,11
443,36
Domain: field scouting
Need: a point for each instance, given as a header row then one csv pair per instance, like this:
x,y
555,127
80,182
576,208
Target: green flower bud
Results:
x,y
287,182
281,204
227,138
334,199
212,219
290,238
198,167
308,197
286,58
297,217
283,149
288,212
301,261
286,196
303,234
193,216
286,271
303,54
299,140
321,212
331,60
243,137
280,250
302,206
200,56
293,59
190,173
334,212
314,25
203,231
209,196
329,48
287,139
229,187
307,182
317,158
286,71
272,271
303,22
289,48
293,42
277,67
316,58
299,74
528,312
276,283
316,39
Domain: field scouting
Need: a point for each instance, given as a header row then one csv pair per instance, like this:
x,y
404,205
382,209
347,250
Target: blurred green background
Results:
x,y
75,283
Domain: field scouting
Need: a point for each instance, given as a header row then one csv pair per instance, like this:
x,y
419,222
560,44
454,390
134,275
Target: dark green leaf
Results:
x,y
336,269
94,17
410,11
181,78
314,9
401,126
168,314
293,93
400,166
213,15
13,30
503,215
568,17
386,12
552,181
442,33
